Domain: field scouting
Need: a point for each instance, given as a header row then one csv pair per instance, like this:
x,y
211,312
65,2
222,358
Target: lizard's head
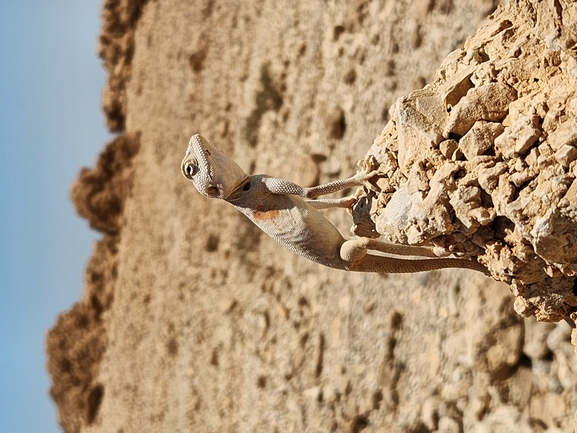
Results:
x,y
213,174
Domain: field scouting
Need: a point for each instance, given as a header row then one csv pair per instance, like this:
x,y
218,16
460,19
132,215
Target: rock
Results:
x,y
564,135
430,413
179,333
536,335
480,137
519,137
565,155
448,425
420,119
488,102
507,199
547,409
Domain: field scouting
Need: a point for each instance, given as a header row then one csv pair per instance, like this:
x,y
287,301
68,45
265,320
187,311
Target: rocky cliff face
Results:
x,y
193,320
482,161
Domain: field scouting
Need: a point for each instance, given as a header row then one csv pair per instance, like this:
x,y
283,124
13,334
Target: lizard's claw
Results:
x,y
364,176
349,202
372,174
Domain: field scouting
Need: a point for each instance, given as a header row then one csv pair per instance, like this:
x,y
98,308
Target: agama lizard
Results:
x,y
289,214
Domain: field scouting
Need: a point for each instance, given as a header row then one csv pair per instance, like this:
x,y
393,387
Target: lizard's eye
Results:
x,y
189,169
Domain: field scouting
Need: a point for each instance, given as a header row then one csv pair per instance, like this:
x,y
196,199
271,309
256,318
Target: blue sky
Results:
x,y
51,125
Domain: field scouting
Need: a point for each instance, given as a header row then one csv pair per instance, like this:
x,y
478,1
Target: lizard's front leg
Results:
x,y
338,185
355,253
281,186
329,203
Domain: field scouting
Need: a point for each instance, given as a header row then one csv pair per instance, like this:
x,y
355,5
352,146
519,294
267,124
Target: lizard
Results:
x,y
289,214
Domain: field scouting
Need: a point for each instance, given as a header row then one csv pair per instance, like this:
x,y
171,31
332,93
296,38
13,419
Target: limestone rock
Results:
x,y
487,158
193,320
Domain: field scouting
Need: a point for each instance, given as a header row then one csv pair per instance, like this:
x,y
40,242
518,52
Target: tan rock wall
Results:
x,y
209,325
482,161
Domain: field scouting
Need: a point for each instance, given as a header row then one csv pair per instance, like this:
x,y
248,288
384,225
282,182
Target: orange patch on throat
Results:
x,y
266,215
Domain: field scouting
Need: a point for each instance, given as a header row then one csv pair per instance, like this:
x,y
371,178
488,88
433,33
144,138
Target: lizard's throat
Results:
x,y
238,188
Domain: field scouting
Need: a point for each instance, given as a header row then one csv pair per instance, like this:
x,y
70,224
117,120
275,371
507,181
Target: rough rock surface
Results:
x,y
482,162
79,339
192,320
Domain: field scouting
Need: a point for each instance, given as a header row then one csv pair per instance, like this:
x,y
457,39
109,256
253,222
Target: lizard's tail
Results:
x,y
389,265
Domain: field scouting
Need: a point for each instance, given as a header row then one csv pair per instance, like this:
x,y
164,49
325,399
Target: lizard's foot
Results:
x,y
363,176
348,202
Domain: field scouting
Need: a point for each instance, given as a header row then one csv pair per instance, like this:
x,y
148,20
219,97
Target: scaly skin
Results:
x,y
288,213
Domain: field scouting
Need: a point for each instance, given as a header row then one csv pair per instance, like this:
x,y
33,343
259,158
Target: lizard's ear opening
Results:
x,y
212,191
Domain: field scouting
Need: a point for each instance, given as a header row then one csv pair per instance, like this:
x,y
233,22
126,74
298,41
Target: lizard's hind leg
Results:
x,y
353,249
354,252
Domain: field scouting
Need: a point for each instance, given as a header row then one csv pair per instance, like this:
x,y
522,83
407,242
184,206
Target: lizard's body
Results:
x,y
289,214
289,220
